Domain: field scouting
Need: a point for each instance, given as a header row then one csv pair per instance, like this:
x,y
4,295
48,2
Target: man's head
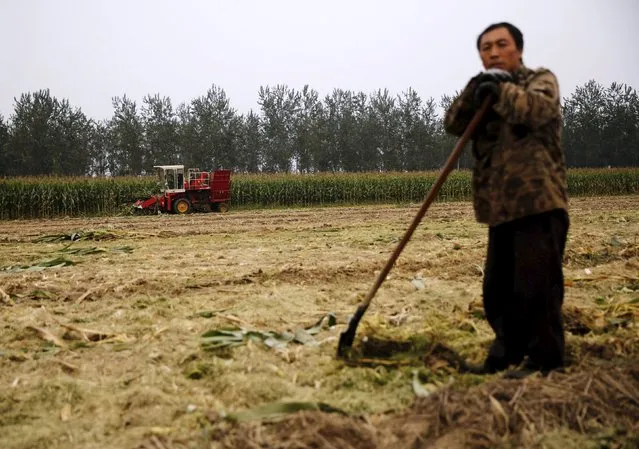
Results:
x,y
501,46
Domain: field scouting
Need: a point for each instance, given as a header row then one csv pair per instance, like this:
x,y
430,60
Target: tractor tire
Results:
x,y
182,206
222,207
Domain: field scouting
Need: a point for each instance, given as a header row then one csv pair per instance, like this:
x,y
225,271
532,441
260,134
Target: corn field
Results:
x,y
46,197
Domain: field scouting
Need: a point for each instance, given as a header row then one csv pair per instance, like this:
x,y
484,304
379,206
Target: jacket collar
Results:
x,y
522,73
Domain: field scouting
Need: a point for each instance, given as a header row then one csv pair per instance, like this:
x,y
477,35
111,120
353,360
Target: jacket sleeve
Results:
x,y
532,106
461,111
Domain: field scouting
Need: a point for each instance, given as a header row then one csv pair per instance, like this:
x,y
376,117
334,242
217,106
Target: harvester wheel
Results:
x,y
182,206
222,207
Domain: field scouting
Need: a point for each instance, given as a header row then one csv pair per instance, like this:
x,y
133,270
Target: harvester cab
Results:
x,y
170,178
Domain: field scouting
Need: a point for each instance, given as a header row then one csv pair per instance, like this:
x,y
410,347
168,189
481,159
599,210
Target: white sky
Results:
x,y
89,51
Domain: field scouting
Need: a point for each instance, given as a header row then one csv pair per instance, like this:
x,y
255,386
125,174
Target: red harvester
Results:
x,y
199,190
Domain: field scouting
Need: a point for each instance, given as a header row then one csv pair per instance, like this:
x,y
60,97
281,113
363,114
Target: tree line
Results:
x,y
293,131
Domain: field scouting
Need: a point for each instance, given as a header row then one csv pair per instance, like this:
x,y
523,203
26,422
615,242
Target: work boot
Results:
x,y
499,358
491,365
531,367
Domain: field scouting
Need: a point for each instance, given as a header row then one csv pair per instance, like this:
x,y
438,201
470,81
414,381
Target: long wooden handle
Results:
x,y
432,194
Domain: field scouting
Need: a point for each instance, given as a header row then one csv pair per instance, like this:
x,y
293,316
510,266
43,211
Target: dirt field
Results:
x,y
107,351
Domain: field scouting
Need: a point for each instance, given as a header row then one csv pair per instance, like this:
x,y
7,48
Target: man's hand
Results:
x,y
488,84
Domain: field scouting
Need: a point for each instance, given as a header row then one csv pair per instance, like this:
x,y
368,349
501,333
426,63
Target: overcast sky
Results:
x,y
89,51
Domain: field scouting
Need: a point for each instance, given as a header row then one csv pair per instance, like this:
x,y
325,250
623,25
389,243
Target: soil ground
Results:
x,y
104,349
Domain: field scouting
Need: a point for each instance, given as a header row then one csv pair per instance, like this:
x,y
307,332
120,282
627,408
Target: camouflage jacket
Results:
x,y
519,161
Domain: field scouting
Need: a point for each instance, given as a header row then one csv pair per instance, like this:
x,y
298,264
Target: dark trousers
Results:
x,y
523,290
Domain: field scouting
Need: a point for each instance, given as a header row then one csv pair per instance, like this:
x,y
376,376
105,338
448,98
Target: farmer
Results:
x,y
519,191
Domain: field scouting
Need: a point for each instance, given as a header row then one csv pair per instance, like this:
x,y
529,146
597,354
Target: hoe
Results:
x,y
346,338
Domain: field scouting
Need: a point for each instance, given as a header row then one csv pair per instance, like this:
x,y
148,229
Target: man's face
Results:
x,y
498,50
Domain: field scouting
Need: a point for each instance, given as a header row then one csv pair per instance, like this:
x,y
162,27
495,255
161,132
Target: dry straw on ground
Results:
x,y
502,413
106,352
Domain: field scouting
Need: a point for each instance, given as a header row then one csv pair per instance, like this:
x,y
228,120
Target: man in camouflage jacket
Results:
x,y
519,191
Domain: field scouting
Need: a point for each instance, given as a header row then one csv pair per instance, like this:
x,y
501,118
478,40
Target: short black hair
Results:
x,y
518,37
